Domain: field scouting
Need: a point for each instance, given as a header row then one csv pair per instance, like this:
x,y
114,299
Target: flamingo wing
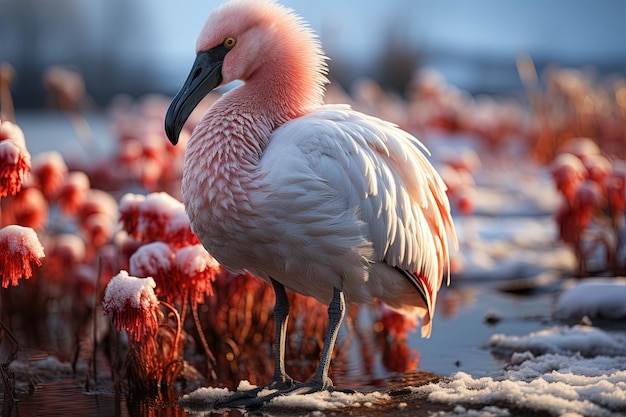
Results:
x,y
383,173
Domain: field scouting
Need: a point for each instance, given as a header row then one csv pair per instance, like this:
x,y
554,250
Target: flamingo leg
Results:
x,y
280,381
320,380
281,317
336,314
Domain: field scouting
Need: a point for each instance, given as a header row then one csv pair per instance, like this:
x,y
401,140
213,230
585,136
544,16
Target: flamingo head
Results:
x,y
250,40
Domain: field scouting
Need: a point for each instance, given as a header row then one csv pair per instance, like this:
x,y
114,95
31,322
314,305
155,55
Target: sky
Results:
x,y
153,41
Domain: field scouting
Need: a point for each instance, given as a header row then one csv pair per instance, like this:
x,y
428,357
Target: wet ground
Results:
x,y
466,318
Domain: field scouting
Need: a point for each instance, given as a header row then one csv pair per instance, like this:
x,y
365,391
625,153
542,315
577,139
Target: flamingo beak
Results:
x,y
205,75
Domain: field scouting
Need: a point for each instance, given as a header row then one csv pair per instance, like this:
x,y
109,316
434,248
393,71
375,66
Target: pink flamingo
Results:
x,y
320,199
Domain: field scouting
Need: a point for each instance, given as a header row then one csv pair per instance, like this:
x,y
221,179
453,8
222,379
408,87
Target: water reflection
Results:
x,y
368,356
238,324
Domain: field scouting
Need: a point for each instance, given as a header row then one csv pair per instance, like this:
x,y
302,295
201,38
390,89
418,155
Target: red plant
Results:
x,y
591,215
14,159
73,192
195,270
155,260
19,250
132,305
154,360
50,171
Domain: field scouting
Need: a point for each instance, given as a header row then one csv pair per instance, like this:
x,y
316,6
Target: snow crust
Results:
x,y
320,401
573,371
596,298
124,289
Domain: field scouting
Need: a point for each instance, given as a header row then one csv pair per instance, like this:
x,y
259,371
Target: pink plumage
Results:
x,y
320,199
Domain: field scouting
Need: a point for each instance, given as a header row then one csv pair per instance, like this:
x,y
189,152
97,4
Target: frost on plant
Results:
x,y
132,305
19,249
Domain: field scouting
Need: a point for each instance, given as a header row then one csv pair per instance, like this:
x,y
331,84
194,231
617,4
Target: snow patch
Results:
x,y
596,298
202,399
578,371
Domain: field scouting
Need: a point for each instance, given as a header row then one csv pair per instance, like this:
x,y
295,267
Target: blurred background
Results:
x,y
147,46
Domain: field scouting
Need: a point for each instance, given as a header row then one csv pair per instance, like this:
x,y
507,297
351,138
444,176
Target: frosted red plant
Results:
x,y
581,147
13,133
196,271
575,215
615,184
126,246
65,250
19,250
129,212
98,230
98,202
28,208
155,260
154,215
568,171
461,188
465,160
14,164
73,192
49,170
178,230
132,305
598,168
587,199
154,155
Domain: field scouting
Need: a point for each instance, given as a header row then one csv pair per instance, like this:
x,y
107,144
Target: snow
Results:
x,y
161,202
191,260
576,371
10,153
596,298
577,340
131,202
320,401
124,289
22,241
153,258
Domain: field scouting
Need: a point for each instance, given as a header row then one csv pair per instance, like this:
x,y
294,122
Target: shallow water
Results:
x,y
457,344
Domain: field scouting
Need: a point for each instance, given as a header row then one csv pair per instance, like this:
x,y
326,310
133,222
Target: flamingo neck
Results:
x,y
226,146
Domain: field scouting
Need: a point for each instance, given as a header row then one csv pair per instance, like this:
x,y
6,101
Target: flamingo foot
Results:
x,y
240,399
301,388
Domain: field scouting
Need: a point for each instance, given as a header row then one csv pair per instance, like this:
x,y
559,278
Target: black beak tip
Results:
x,y
172,129
172,136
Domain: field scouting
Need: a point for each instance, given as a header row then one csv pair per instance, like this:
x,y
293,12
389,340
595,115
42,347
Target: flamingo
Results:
x,y
319,199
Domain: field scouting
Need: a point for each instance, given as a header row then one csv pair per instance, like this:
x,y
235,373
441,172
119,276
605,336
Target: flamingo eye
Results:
x,y
229,42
